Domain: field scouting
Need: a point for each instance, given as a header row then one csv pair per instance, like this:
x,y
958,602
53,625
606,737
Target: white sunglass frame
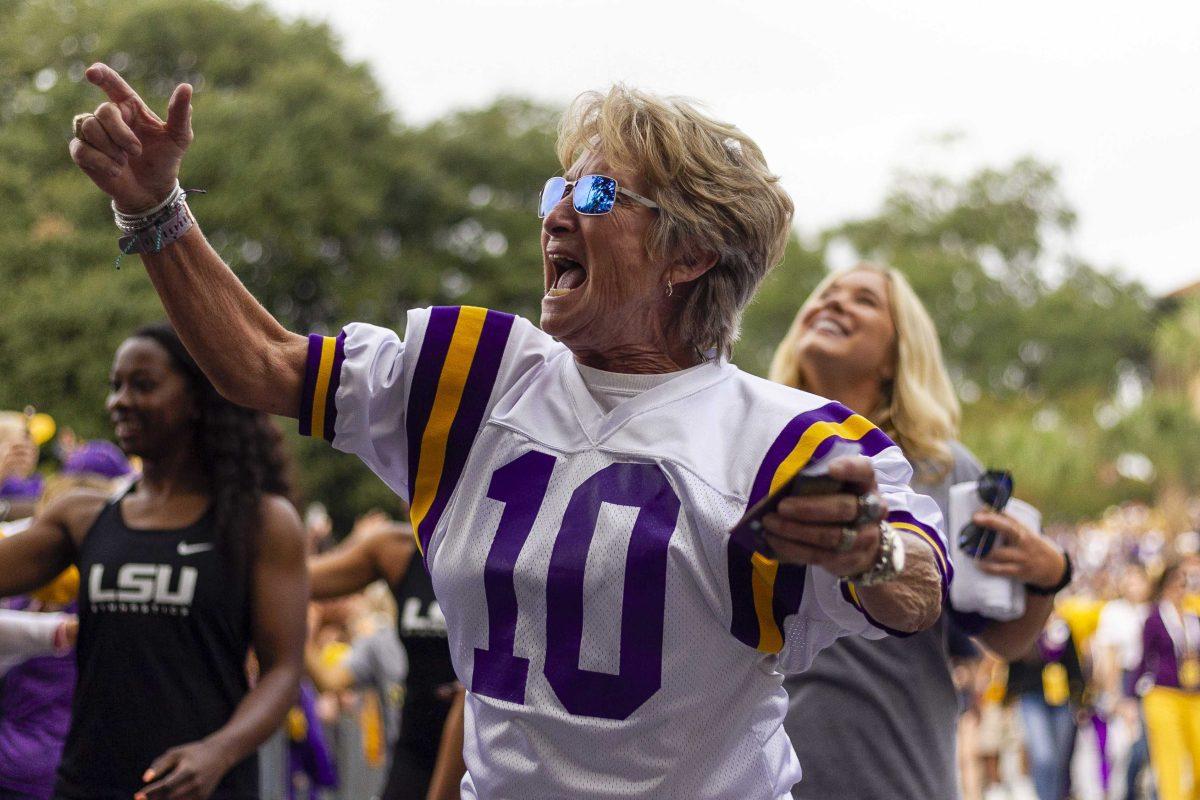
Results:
x,y
569,189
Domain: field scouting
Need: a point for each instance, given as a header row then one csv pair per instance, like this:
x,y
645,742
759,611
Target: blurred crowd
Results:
x,y
1076,713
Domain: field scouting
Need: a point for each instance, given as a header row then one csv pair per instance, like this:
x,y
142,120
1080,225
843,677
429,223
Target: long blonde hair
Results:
x,y
919,411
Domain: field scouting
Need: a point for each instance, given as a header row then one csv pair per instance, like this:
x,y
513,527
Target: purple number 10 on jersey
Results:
x,y
521,485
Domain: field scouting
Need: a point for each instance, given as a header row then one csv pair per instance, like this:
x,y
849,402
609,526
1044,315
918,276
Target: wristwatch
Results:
x,y
888,563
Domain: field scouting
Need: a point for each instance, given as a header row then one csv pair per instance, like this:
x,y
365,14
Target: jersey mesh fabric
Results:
x,y
618,559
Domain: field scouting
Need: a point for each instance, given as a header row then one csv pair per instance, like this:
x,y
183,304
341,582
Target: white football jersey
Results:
x,y
615,640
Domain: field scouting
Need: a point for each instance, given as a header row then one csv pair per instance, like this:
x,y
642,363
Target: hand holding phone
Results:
x,y
749,529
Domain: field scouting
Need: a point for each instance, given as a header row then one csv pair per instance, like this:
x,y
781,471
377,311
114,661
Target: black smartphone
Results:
x,y
749,529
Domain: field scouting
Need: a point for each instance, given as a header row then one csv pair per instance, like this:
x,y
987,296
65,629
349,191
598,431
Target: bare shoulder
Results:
x,y
76,511
280,518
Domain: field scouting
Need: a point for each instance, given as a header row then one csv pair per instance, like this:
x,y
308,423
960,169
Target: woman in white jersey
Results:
x,y
573,488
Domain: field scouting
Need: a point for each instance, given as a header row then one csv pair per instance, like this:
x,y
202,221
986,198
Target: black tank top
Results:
x,y
163,636
422,630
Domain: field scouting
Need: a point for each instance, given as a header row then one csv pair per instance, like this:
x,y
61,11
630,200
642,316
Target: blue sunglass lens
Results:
x,y
552,192
595,194
976,541
995,488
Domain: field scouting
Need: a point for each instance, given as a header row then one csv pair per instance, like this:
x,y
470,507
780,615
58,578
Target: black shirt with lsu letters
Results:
x,y
163,638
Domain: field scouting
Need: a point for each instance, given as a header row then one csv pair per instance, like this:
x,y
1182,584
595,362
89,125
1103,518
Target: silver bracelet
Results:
x,y
131,223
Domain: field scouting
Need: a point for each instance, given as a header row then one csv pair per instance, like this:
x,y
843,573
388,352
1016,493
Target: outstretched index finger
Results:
x,y
113,85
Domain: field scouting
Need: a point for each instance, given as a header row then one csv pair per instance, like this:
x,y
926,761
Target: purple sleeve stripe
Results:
x,y
849,596
312,363
481,380
436,344
930,536
872,443
335,380
789,591
786,442
836,425
744,624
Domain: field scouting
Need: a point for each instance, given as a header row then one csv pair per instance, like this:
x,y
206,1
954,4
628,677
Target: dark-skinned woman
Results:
x,y
181,574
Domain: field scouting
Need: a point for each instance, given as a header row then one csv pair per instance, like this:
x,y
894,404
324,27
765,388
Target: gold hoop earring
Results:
x,y
670,288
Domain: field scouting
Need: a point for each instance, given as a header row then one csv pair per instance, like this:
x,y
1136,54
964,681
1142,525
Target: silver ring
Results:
x,y
870,508
849,537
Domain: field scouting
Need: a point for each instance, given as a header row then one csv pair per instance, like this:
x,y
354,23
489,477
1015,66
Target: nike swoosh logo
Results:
x,y
186,549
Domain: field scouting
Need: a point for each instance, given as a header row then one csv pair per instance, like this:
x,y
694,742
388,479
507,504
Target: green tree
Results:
x,y
326,206
274,101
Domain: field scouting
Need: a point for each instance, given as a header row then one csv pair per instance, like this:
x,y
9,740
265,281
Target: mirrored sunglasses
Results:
x,y
590,194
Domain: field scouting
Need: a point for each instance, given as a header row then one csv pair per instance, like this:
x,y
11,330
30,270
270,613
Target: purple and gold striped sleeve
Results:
x,y
908,522
764,591
412,409
322,376
453,380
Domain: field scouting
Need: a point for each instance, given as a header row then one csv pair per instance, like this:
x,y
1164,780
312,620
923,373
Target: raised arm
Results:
x,y
376,548
134,157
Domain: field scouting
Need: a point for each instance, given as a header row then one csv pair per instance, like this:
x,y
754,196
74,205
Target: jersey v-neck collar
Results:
x,y
599,426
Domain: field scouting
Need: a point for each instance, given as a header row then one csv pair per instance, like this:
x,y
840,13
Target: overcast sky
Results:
x,y
842,94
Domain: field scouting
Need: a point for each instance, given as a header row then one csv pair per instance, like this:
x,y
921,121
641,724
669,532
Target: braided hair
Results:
x,y
241,455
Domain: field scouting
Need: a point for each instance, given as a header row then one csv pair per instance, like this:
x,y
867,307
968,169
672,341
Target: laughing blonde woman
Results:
x,y
864,339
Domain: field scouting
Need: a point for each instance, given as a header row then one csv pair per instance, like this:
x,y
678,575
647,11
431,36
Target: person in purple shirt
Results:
x,y
1171,667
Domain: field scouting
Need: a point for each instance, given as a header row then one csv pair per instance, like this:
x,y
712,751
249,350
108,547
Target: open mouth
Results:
x,y
830,326
124,428
569,275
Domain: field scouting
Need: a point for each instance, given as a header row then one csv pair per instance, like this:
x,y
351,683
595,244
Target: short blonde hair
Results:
x,y
714,189
920,411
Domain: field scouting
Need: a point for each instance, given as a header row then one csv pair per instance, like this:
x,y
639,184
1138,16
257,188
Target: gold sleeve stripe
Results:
x,y
446,402
321,390
854,428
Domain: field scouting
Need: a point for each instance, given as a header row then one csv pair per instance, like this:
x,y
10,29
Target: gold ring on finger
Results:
x,y
849,537
77,125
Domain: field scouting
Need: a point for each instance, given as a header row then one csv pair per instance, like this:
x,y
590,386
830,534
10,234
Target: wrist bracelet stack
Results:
x,y
151,230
